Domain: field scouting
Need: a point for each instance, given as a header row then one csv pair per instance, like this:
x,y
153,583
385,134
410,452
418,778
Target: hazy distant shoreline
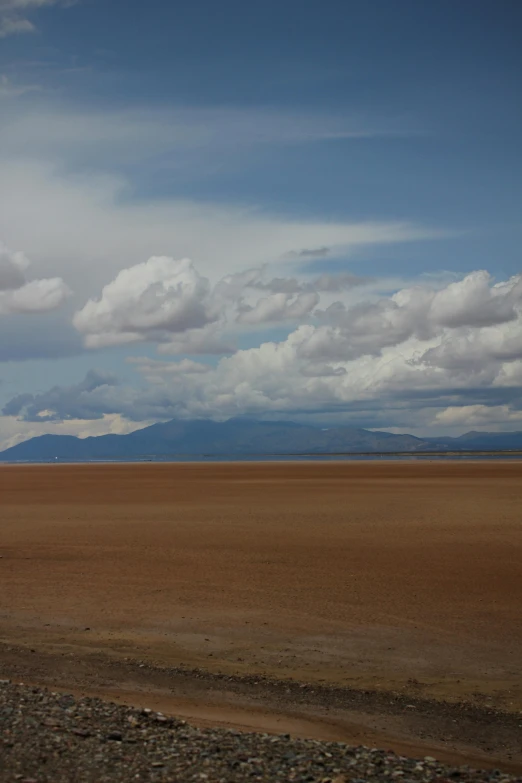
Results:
x,y
253,458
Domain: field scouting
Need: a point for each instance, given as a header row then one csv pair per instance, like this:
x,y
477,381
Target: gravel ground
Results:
x,y
47,736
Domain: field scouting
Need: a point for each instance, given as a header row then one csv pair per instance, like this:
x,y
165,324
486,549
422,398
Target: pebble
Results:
x,y
115,735
51,738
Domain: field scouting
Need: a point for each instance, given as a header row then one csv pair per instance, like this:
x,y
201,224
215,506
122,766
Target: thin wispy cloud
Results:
x,y
15,15
173,137
10,89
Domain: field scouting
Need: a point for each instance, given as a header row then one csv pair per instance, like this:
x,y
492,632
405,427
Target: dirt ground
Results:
x,y
394,577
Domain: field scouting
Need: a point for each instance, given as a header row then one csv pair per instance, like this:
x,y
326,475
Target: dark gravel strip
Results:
x,y
50,737
341,697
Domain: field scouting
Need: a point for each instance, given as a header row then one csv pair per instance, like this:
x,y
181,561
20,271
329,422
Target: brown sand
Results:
x,y
402,576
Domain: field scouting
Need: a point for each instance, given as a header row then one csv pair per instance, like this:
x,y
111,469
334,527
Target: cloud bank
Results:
x,y
418,356
167,301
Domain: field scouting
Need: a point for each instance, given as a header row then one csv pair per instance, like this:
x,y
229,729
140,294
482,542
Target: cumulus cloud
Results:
x,y
423,313
186,366
321,370
206,341
232,287
398,373
469,348
325,283
148,301
100,394
481,416
158,372
167,301
278,307
14,15
269,380
279,285
476,301
84,400
19,295
12,269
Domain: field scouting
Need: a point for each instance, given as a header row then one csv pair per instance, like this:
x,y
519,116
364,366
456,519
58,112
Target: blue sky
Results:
x,y
298,139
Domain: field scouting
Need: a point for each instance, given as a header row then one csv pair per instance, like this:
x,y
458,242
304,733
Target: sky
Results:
x,y
282,210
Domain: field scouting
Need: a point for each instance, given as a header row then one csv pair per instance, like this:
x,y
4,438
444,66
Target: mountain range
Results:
x,y
240,436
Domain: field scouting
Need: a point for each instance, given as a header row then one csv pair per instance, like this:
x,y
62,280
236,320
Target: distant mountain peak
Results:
x,y
245,436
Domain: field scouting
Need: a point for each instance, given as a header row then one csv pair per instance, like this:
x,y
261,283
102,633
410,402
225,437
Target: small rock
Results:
x,y
81,732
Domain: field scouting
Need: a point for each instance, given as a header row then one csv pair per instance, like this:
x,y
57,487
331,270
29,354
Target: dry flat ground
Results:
x,y
403,578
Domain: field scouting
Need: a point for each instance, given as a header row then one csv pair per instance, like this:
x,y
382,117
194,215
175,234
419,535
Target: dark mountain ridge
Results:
x,y
246,437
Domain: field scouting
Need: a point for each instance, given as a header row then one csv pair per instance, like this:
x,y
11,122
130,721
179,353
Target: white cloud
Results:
x,y
168,302
468,348
13,24
476,301
148,301
325,283
13,15
105,231
321,370
9,89
198,341
423,313
175,136
36,296
279,307
394,377
84,400
18,295
478,416
185,366
158,372
510,373
12,269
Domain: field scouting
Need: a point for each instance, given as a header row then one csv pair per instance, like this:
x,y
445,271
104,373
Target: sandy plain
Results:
x,y
398,578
